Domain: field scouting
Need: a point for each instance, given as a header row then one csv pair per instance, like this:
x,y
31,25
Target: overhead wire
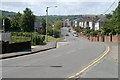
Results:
x,y
110,7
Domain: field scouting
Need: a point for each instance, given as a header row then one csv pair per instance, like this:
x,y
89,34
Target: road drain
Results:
x,y
55,66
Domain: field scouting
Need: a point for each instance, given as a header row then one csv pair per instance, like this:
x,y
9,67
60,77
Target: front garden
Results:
x,y
34,37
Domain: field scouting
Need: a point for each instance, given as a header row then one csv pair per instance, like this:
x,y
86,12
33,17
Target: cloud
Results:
x,y
15,4
32,1
64,8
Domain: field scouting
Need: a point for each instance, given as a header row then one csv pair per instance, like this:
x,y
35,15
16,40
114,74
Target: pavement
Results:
x,y
34,49
60,44
107,67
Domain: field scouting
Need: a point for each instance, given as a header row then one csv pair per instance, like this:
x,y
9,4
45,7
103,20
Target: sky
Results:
x,y
64,7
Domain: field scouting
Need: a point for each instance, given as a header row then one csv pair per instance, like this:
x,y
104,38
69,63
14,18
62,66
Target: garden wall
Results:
x,y
106,38
14,47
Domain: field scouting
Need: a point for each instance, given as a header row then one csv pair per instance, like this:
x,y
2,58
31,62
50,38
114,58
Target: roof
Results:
x,y
37,24
78,20
88,19
102,20
95,18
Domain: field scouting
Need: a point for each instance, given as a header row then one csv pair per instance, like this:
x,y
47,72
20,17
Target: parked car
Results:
x,y
69,30
74,32
66,34
75,35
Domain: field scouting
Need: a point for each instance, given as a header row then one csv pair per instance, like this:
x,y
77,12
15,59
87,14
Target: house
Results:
x,y
94,23
81,24
66,23
89,23
76,23
52,24
37,25
100,23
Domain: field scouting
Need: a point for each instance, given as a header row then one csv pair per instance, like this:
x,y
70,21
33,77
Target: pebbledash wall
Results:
x,y
106,38
5,37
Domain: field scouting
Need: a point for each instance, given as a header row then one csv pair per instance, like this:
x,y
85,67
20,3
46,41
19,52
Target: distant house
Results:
x,y
37,25
100,23
76,22
89,23
94,23
52,24
67,23
81,24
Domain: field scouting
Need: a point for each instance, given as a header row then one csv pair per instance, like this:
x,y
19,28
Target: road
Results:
x,y
61,62
107,67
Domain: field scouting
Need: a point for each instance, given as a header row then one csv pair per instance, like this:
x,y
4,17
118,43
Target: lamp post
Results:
x,y
53,31
46,39
3,25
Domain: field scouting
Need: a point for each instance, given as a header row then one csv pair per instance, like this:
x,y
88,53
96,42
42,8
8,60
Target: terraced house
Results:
x,y
94,23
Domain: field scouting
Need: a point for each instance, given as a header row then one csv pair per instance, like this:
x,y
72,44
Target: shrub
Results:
x,y
56,33
38,40
50,31
94,33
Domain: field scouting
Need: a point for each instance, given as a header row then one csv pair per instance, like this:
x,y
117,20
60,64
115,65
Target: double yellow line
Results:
x,y
91,64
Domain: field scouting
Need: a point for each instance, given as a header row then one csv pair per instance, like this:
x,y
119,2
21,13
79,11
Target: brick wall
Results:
x,y
116,38
106,38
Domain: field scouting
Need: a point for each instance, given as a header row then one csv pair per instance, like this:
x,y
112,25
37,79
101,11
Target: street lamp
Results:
x,y
47,21
3,25
53,30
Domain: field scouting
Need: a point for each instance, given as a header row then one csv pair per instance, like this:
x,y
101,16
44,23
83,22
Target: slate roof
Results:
x,y
94,19
37,24
88,19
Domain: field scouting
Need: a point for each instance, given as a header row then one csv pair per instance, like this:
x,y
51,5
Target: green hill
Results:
x,y
51,17
7,13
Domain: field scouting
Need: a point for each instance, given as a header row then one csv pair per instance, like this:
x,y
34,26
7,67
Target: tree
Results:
x,y
117,28
15,22
57,28
27,21
113,25
56,33
108,16
43,26
50,30
58,25
7,24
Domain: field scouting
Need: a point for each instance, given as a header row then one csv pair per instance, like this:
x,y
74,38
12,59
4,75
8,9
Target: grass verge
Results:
x,y
50,38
